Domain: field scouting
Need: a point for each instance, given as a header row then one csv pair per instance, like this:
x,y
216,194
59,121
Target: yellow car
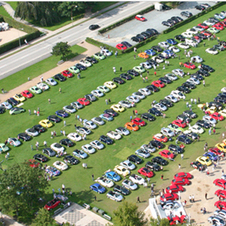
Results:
x,y
143,55
204,160
221,146
118,108
121,170
223,112
211,110
46,123
110,85
19,97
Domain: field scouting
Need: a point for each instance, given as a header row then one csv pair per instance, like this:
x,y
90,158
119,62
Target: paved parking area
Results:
x,y
154,20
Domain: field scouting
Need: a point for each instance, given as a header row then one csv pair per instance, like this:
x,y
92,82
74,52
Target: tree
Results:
x,y
61,48
128,215
20,188
43,218
70,9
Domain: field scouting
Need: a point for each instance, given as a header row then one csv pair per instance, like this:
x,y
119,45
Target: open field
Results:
x,y
76,177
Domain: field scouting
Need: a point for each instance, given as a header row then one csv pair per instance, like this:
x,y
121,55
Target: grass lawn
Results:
x,y
37,69
4,12
13,4
79,179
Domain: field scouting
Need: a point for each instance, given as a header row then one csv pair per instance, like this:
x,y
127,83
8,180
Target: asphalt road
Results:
x,y
40,51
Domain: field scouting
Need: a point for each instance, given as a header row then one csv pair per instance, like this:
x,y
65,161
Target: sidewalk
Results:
x,y
9,221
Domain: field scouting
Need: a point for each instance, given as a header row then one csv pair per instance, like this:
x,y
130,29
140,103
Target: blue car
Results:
x,y
52,171
106,117
169,52
97,188
150,52
211,156
171,41
112,176
62,113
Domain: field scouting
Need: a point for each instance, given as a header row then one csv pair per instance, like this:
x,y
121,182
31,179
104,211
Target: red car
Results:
x,y
140,18
218,26
160,137
27,94
183,175
138,121
67,74
220,183
197,38
217,116
220,205
216,151
33,163
174,188
52,204
206,33
189,65
146,172
221,194
179,123
167,154
223,23
83,101
175,220
205,26
169,196
180,181
121,46
158,83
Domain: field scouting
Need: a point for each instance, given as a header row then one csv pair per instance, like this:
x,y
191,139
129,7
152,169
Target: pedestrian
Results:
x,y
116,53
32,147
155,73
84,165
198,100
143,79
138,199
29,111
182,156
52,135
204,44
210,131
65,123
84,137
25,41
41,79
136,112
191,101
63,187
70,193
120,68
134,57
92,177
106,101
193,198
59,190
80,120
190,199
60,90
154,67
35,113
131,117
190,108
187,104
61,132
147,73
163,67
176,141
49,100
135,49
162,177
214,131
38,113
146,78
45,143
179,165
204,210
64,133
185,52
179,57
114,69
148,180
203,82
223,135
79,76
109,100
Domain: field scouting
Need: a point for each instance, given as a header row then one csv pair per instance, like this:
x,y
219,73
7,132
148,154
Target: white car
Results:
x,y
97,144
146,65
121,170
187,34
192,31
137,179
179,95
174,49
148,148
57,147
157,59
97,93
129,185
60,165
138,95
14,141
163,44
193,81
210,120
133,99
223,90
212,51
105,52
209,23
125,104
160,107
171,76
142,153
116,196
171,98
223,112
167,132
178,72
74,136
170,205
89,124
88,148
110,85
198,28
51,82
128,165
196,59
183,46
42,86
80,154
105,182
32,132
77,105
98,121
216,220
103,89
196,129
6,105
220,213
145,91
85,63
69,109
117,108
122,131
114,135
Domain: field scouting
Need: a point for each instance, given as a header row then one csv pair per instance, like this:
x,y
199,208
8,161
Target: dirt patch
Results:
x,y
10,35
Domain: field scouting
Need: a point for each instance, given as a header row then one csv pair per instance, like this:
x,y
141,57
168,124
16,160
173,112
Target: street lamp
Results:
x,y
75,6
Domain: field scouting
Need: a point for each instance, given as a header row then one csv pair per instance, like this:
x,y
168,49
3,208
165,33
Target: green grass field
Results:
x,y
13,4
79,179
4,12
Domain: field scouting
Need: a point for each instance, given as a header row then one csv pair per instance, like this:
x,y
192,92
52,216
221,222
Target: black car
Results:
x,y
175,149
157,144
106,139
12,101
153,166
118,80
67,142
126,44
139,36
203,124
133,73
157,48
49,152
159,160
206,68
203,72
93,27
121,190
152,88
219,47
153,30
23,136
166,102
220,99
213,20
2,110
145,35
126,76
190,114
60,77
80,67
180,38
184,118
219,106
223,95
171,22
40,157
54,118
150,32
200,7
198,165
155,112
183,89
135,39
184,139
175,20
111,112
135,159
92,60
165,7
193,136
201,36
89,97
152,62
165,80
186,14
166,23
189,85
197,76
148,116
39,128
70,159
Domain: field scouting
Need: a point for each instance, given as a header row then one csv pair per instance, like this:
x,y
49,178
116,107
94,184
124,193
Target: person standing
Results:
x,y
214,131
204,83
138,199
198,100
29,111
106,101
64,133
182,156
65,123
179,165
109,100
162,177
45,143
155,73
63,187
35,113
60,90
210,131
121,69
92,177
190,198
49,100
